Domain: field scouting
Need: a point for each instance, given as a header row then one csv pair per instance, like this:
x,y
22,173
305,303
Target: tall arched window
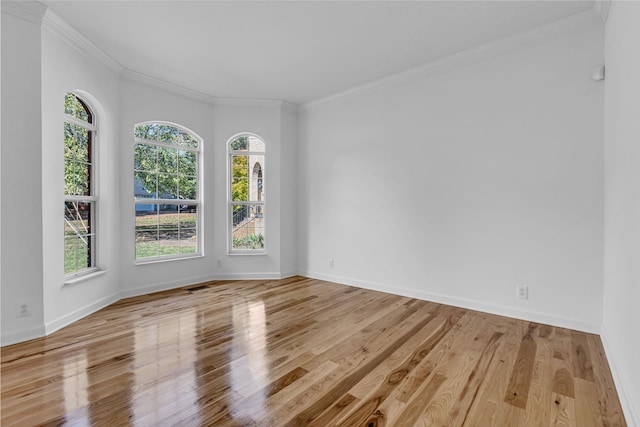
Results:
x,y
246,194
79,187
166,191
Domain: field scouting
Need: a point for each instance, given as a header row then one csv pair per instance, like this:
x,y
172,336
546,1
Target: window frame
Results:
x,y
177,202
231,202
92,198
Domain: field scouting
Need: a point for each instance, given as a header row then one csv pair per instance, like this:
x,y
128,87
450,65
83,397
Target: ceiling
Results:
x,y
298,51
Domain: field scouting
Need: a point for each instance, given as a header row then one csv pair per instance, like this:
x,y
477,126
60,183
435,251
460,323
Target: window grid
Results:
x,y
80,200
246,201
166,193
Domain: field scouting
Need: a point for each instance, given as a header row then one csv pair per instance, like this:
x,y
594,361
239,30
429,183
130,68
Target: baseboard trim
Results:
x,y
74,316
531,316
631,412
18,337
61,322
174,284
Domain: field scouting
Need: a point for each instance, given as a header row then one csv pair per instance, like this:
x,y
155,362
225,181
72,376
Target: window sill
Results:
x,y
247,253
84,277
159,260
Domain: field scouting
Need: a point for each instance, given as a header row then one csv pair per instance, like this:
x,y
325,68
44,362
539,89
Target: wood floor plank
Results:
x,y
581,356
609,403
304,352
518,389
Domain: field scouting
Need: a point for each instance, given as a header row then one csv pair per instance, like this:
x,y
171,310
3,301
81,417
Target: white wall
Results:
x,y
42,62
289,181
215,122
21,192
621,317
65,69
458,186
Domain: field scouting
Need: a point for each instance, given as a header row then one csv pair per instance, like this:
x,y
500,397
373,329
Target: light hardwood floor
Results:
x,y
303,352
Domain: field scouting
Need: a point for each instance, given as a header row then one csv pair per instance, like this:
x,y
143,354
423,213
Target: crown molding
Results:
x,y
577,23
65,32
30,11
137,77
601,7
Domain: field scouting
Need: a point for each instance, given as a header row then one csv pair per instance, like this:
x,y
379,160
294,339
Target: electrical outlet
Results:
x,y
330,262
219,263
522,292
24,310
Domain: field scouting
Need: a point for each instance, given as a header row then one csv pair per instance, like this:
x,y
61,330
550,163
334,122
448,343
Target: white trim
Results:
x,y
531,316
21,336
199,150
82,277
30,11
137,140
91,127
61,322
74,316
231,203
65,32
167,258
138,77
629,408
175,284
545,33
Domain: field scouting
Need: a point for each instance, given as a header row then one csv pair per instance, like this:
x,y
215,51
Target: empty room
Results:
x,y
320,213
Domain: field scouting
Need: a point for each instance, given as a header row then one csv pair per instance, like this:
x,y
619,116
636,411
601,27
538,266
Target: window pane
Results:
x,y
187,163
240,178
248,227
145,185
171,174
240,144
247,143
70,104
146,217
75,107
146,244
165,133
167,186
188,216
167,160
256,188
77,142
77,178
71,146
145,157
169,230
82,111
188,242
77,216
187,188
78,236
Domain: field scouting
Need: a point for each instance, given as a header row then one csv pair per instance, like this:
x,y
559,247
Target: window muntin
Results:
x,y
167,202
246,194
80,199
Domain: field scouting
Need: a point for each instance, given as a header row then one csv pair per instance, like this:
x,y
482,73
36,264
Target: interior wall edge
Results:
x,y
631,412
531,316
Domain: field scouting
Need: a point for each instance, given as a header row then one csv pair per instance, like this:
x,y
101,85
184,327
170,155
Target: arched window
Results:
x,y
166,191
79,193
246,194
